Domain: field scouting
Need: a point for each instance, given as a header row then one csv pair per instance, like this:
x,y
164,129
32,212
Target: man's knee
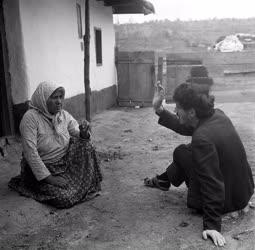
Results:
x,y
178,171
181,151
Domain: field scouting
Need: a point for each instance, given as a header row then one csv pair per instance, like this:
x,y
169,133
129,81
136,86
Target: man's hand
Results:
x,y
216,237
158,97
56,181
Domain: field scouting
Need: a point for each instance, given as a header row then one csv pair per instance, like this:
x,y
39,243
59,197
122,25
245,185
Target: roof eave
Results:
x,y
130,6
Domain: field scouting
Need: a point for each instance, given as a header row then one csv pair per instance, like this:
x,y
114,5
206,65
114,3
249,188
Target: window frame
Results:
x,y
79,20
99,55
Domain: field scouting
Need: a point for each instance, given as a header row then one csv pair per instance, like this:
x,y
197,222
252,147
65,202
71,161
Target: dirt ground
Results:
x,y
127,215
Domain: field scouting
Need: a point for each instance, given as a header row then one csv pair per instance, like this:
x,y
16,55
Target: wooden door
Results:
x,y
136,78
6,127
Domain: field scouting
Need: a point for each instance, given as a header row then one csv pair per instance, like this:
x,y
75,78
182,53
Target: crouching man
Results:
x,y
214,165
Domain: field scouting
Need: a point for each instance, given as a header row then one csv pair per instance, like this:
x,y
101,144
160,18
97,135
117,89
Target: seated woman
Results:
x,y
59,165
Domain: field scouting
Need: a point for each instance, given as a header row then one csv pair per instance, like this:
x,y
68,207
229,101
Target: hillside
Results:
x,y
178,36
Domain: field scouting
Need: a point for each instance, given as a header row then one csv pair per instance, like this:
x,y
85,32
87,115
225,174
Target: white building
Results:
x,y
43,40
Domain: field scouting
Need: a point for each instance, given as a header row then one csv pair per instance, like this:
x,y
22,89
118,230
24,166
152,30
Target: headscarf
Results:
x,y
39,102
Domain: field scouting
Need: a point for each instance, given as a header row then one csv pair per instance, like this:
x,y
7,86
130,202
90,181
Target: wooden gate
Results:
x,y
136,77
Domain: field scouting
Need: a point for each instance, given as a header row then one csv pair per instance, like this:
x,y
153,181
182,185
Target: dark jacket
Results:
x,y
222,169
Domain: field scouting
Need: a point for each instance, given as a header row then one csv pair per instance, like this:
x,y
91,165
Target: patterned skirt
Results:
x,y
79,166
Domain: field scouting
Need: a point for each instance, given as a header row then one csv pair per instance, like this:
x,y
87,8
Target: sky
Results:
x,y
193,10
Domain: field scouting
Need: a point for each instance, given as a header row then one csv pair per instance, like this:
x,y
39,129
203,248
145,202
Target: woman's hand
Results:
x,y
216,237
158,97
84,129
56,181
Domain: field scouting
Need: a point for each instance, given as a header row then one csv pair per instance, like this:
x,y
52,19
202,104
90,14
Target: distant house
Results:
x,y
43,40
230,43
236,42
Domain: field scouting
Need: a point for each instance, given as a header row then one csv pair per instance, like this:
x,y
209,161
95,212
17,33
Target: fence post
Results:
x,y
162,71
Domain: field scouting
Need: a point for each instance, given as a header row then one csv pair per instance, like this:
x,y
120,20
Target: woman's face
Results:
x,y
55,101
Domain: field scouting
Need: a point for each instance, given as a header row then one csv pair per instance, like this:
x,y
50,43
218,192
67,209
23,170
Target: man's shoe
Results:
x,y
157,183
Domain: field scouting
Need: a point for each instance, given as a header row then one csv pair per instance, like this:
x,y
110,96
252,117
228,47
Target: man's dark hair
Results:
x,y
192,95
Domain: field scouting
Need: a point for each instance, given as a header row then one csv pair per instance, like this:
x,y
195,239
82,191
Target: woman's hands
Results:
x,y
84,129
56,181
216,237
158,97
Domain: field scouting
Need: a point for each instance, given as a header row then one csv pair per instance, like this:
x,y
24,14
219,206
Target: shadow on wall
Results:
x,y
100,100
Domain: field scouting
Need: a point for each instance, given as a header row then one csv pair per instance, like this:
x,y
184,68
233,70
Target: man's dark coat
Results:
x,y
221,165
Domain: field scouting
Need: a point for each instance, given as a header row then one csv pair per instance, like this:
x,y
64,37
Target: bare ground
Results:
x,y
127,215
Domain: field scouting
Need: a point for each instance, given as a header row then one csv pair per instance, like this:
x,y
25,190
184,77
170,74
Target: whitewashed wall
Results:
x,y
52,49
102,76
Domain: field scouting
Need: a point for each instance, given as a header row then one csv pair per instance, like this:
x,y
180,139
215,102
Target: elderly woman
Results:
x,y
59,164
214,165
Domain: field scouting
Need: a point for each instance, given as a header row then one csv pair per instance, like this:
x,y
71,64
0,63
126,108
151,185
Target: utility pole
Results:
x,y
86,39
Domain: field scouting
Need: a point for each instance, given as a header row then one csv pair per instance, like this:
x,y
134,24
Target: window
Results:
x,y
79,21
98,44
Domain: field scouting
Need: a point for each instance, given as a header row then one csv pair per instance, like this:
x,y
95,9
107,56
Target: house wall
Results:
x,y
51,44
43,44
102,76
52,47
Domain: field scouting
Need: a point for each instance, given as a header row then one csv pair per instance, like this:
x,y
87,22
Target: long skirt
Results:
x,y
79,166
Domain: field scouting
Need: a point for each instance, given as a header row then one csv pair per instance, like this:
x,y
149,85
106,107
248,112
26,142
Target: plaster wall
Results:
x,y
105,75
52,47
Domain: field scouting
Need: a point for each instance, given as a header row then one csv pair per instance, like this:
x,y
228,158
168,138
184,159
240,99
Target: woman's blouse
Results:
x,y
41,143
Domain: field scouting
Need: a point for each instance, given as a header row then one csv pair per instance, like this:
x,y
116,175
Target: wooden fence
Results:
x,y
138,72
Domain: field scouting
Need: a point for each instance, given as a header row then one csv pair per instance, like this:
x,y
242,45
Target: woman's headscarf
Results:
x,y
39,102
